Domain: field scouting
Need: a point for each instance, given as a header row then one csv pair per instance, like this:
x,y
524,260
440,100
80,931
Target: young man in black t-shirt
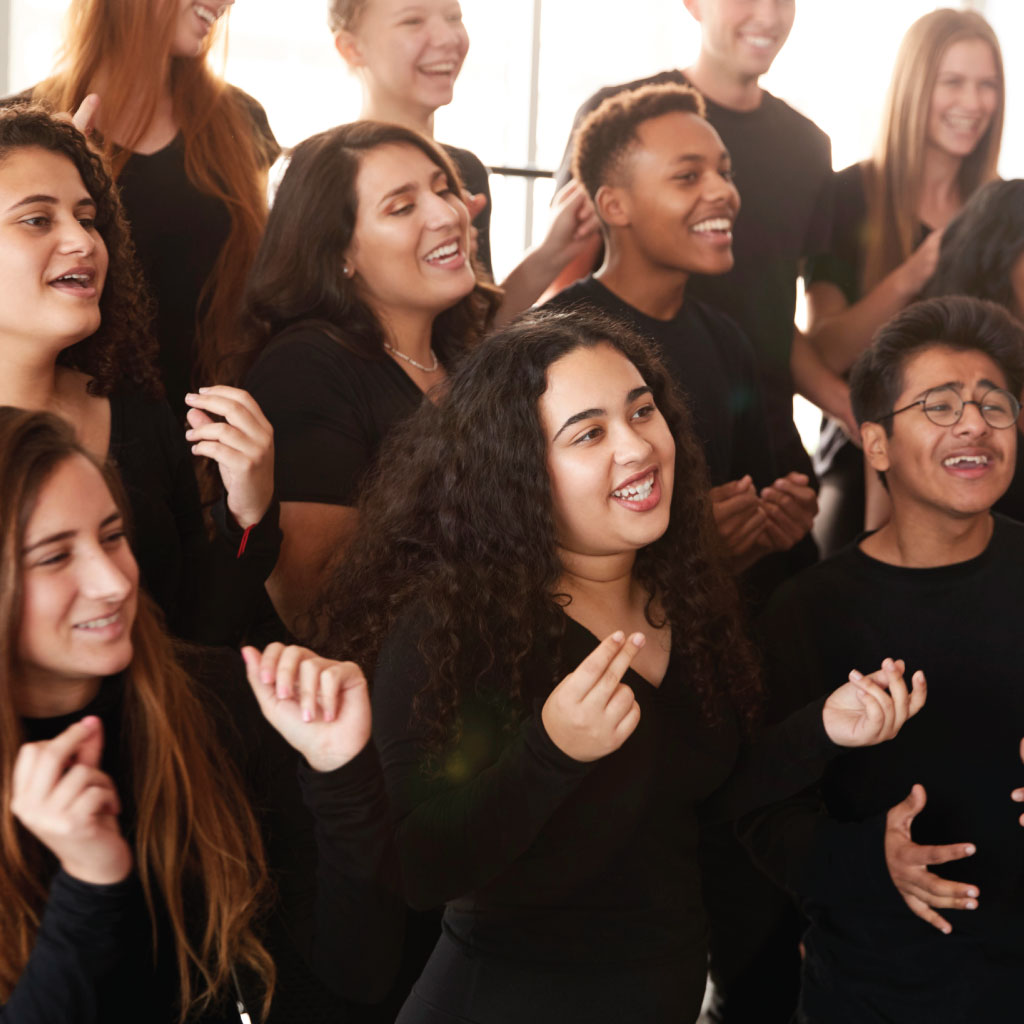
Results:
x,y
783,168
943,581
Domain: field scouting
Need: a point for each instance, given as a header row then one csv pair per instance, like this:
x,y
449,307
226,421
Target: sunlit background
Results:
x,y
532,62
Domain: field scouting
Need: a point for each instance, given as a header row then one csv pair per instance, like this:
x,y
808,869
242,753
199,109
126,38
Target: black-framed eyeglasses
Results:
x,y
944,407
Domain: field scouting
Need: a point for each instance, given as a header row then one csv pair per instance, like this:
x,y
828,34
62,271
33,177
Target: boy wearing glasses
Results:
x,y
903,929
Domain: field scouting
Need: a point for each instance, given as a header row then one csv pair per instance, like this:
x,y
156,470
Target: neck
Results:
x,y
656,291
940,187
917,540
50,698
394,111
606,580
30,384
724,85
411,334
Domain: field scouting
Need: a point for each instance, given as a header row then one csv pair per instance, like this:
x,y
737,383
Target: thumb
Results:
x,y
913,805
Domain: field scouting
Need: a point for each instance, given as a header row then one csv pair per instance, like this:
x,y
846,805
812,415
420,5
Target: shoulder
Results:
x,y
1007,536
263,135
468,163
728,336
304,351
798,126
580,293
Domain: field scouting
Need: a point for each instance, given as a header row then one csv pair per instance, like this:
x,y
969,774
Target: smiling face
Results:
x,y
966,95
611,457
79,589
409,52
53,262
410,248
678,200
743,37
196,19
958,471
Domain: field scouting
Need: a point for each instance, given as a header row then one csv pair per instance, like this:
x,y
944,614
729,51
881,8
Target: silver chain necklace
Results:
x,y
412,362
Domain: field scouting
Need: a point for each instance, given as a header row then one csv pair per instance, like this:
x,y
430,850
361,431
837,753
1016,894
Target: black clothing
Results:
x,y
783,167
179,232
207,592
330,409
869,958
474,177
573,878
333,931
713,366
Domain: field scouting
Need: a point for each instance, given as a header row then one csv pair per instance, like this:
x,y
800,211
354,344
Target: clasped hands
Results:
x,y
753,524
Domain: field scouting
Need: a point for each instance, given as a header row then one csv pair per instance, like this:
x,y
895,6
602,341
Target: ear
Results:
x,y
876,446
693,6
613,206
348,46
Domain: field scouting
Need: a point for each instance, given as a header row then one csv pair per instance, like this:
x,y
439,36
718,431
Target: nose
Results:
x,y
101,578
631,447
445,211
75,237
443,32
971,422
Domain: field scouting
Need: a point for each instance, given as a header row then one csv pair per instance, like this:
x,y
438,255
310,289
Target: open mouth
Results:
x,y
966,461
206,14
76,282
444,68
759,42
444,255
718,228
95,624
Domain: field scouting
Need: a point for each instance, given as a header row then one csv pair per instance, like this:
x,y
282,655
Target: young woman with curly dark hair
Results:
x,y
137,880
75,340
547,785
374,304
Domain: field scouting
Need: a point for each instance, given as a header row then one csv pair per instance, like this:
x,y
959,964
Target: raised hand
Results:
x,y
321,707
475,202
591,712
1018,794
872,709
790,505
573,223
740,520
916,270
908,866
85,115
60,795
242,445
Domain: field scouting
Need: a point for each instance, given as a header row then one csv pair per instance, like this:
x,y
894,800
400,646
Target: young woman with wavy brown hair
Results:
x,y
547,785
190,153
75,340
938,143
136,880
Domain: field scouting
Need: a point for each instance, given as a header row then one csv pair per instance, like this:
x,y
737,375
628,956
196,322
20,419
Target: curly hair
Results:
x,y
609,132
123,349
459,522
981,247
313,220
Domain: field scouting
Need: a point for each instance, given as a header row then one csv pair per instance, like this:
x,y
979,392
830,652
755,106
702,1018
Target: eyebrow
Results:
x,y
587,414
959,384
51,200
67,534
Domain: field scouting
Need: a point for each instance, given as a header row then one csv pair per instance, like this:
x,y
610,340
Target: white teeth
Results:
x,y
443,252
974,460
205,13
75,277
639,491
438,69
109,620
764,41
712,224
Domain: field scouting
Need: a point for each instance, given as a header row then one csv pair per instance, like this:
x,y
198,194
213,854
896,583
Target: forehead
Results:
x,y
664,139
73,496
387,10
940,364
968,56
391,165
32,170
587,378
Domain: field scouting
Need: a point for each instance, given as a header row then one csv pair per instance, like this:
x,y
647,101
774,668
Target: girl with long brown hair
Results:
x,y
547,785
190,154
938,143
137,883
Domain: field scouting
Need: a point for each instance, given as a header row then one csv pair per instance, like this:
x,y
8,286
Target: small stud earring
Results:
x,y
346,270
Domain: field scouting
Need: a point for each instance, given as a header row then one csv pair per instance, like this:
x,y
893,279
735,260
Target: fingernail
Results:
x,y
972,893
969,851
618,636
306,716
638,639
855,675
189,434
946,930
1017,795
191,397
203,391
970,905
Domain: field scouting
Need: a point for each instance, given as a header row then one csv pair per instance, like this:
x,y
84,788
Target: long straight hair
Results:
x,y
895,174
196,843
127,42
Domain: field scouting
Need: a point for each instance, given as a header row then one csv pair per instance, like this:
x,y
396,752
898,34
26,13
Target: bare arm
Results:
x,y
314,534
819,384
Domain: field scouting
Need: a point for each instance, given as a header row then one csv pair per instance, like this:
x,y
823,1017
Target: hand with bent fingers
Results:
x,y
321,707
475,202
591,712
573,224
908,866
1018,794
872,709
242,445
790,505
740,520
60,795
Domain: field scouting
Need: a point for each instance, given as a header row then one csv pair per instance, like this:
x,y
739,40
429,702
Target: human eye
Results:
x,y
728,174
35,220
88,222
998,401
645,411
686,177
52,559
590,434
401,210
412,21
113,537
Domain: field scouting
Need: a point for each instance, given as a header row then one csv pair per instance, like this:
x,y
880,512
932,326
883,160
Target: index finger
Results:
x,y
608,683
583,678
55,755
228,402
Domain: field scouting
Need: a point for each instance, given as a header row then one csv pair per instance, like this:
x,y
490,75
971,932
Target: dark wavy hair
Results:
x,y
982,245
123,349
458,522
296,279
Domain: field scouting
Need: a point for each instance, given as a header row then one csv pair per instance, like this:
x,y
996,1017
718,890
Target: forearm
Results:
x,y
817,383
527,282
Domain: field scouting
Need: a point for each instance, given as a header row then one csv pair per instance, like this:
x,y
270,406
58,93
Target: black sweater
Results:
x,y
571,867
334,932
868,957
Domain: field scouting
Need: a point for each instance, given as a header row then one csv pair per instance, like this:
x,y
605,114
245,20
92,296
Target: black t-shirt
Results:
x,y
868,957
574,871
474,177
783,167
330,410
713,367
179,232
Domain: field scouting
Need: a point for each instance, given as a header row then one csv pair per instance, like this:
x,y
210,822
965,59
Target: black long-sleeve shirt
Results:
x,y
334,931
568,866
